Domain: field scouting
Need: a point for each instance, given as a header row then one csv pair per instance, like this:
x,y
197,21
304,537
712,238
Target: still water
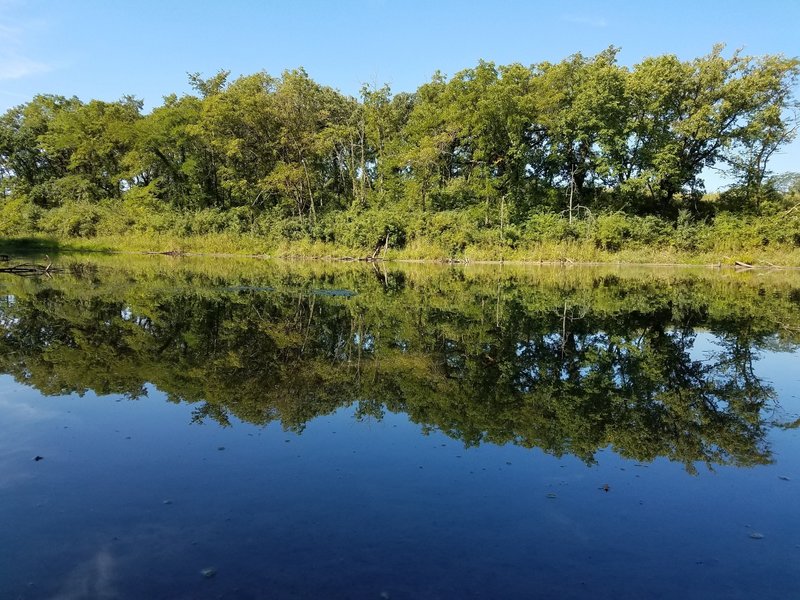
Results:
x,y
175,429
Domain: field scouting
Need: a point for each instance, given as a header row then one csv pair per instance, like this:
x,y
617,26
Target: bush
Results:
x,y
549,227
455,195
452,231
364,229
57,192
611,231
72,219
208,220
687,236
650,231
19,216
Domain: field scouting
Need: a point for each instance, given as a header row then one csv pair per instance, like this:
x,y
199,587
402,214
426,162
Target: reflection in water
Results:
x,y
570,362
92,579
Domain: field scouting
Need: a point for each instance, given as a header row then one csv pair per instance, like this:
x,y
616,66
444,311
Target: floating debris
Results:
x,y
756,536
783,478
221,448
208,572
334,293
605,487
247,288
37,458
31,269
168,501
552,495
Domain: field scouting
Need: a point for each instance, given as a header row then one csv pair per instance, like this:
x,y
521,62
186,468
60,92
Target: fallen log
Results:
x,y
30,269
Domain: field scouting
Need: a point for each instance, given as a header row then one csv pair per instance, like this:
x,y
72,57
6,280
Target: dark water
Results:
x,y
257,430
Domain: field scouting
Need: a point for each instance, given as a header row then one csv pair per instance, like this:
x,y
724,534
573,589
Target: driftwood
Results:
x,y
382,244
169,253
31,269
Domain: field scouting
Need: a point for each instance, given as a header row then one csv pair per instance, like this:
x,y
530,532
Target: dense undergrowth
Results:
x,y
117,225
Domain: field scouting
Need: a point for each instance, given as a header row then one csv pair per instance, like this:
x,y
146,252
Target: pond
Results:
x,y
219,428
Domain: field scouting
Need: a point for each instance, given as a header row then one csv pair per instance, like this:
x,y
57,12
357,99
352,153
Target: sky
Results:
x,y
105,49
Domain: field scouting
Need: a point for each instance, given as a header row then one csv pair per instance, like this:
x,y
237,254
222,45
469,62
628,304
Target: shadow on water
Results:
x,y
30,247
25,248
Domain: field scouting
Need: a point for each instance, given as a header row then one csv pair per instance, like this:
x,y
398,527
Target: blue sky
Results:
x,y
104,49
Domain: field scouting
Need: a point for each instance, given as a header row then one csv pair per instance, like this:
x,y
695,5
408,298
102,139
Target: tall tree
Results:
x,y
96,137
24,162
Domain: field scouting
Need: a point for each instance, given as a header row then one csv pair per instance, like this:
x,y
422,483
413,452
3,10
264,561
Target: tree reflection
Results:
x,y
568,368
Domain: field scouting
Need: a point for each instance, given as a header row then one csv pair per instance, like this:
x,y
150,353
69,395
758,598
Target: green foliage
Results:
x,y
56,192
550,227
73,219
453,231
611,231
687,232
18,216
367,229
488,159
650,231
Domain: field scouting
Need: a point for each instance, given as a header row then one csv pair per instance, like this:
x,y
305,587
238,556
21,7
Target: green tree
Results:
x,y
688,116
96,137
24,162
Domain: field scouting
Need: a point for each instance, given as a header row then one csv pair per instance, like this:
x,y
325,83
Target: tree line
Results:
x,y
499,142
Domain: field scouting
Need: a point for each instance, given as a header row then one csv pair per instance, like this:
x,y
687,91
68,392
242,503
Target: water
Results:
x,y
258,430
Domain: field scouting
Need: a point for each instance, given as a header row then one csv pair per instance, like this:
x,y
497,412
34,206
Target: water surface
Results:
x,y
215,429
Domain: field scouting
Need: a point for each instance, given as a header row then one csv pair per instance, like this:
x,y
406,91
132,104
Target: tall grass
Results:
x,y
408,235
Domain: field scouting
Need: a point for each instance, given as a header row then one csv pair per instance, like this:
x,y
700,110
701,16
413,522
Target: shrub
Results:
x,y
57,192
650,231
72,219
365,229
611,231
549,227
19,216
687,235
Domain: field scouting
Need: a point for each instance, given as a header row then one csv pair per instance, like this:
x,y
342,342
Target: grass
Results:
x,y
117,226
578,251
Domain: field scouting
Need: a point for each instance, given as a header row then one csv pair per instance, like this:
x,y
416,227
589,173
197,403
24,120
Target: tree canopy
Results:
x,y
495,142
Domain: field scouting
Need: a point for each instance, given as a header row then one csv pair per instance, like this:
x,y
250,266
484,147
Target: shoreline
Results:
x,y
736,266
739,260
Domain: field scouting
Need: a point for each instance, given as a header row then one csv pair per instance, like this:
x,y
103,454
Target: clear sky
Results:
x,y
106,48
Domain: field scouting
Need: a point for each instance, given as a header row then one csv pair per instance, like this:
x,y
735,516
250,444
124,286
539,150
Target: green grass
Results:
x,y
117,226
577,251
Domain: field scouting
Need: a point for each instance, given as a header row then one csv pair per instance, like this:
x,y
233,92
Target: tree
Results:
x,y
166,158
580,105
688,116
24,162
96,137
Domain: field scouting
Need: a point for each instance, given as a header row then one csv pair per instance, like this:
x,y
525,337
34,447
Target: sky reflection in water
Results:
x,y
433,435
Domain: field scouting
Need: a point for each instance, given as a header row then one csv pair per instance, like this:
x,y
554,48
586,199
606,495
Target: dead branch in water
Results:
x,y
31,269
